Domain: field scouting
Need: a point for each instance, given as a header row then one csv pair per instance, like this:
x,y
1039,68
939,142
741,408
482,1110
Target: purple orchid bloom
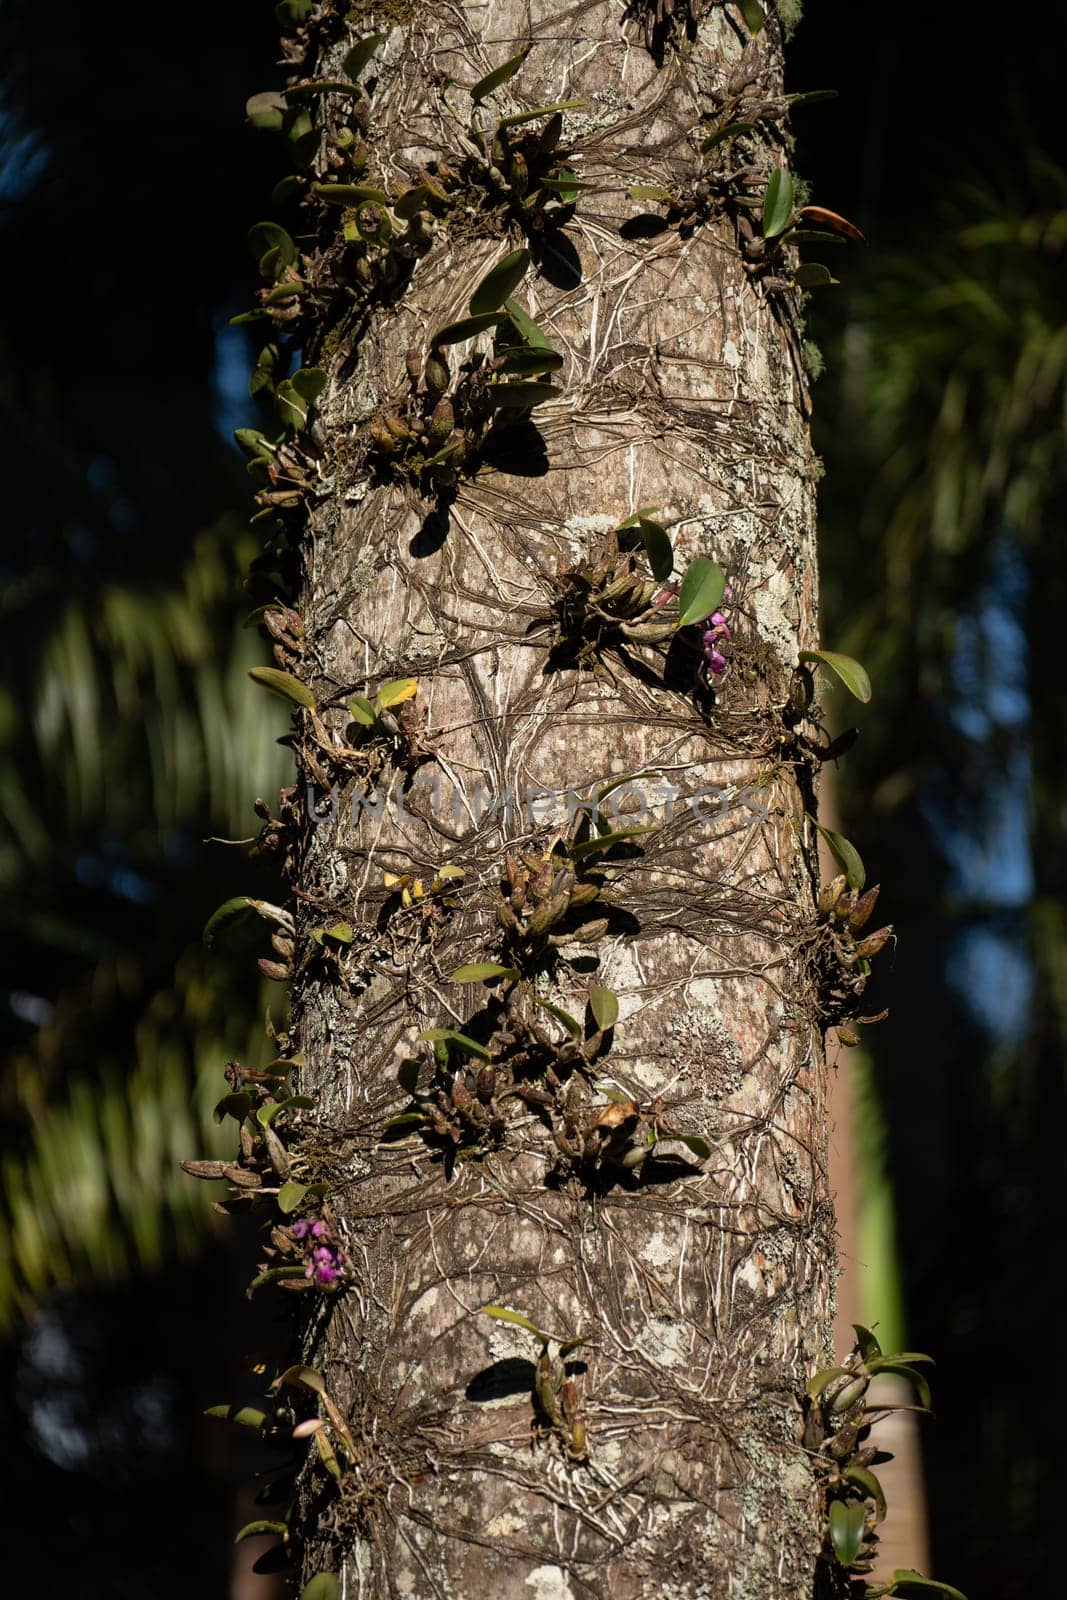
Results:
x,y
714,631
325,1260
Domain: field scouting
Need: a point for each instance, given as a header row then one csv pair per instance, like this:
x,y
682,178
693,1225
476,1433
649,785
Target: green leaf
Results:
x,y
349,194
703,585
867,1342
251,1529
612,1091
287,188
406,1119
527,362
539,111
499,75
234,909
296,1102
295,397
284,685
360,54
466,328
818,1381
227,915
566,184
272,247
604,1004
810,97
658,548
264,376
309,382
848,1521
850,672
290,1195
342,932
600,792
408,1074
573,1027
731,131
301,1377
450,1036
256,443
700,1147
499,282
847,857
362,711
411,201
813,275
236,1105
754,15
649,191
526,327
266,110
244,1416
777,203
913,1586
285,291
293,13
900,1369
521,396
607,841
866,1480
395,692
323,1586
377,228
478,971
502,1314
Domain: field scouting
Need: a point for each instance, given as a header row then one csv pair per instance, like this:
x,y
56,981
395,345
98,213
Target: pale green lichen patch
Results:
x,y
549,1583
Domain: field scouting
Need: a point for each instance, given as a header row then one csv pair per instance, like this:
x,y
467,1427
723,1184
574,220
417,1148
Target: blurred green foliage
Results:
x,y
943,420
128,726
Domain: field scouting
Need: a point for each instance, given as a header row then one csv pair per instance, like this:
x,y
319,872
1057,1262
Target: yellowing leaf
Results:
x,y
391,694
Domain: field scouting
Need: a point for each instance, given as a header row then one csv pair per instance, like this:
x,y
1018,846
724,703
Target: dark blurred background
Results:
x,y
127,181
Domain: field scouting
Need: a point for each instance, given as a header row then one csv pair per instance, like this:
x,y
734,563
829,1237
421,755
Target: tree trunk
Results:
x,y
669,1462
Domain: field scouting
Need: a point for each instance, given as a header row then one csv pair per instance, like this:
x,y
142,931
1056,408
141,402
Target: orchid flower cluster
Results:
x,y
714,631
326,1261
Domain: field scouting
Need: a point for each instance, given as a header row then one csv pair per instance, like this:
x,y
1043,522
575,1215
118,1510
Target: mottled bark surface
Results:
x,y
703,1287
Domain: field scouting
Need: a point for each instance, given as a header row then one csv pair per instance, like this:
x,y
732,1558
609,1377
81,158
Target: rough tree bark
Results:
x,y
702,1287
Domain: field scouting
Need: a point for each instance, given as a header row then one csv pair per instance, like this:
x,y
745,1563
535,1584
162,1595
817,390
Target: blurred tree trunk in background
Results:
x,y
700,1287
